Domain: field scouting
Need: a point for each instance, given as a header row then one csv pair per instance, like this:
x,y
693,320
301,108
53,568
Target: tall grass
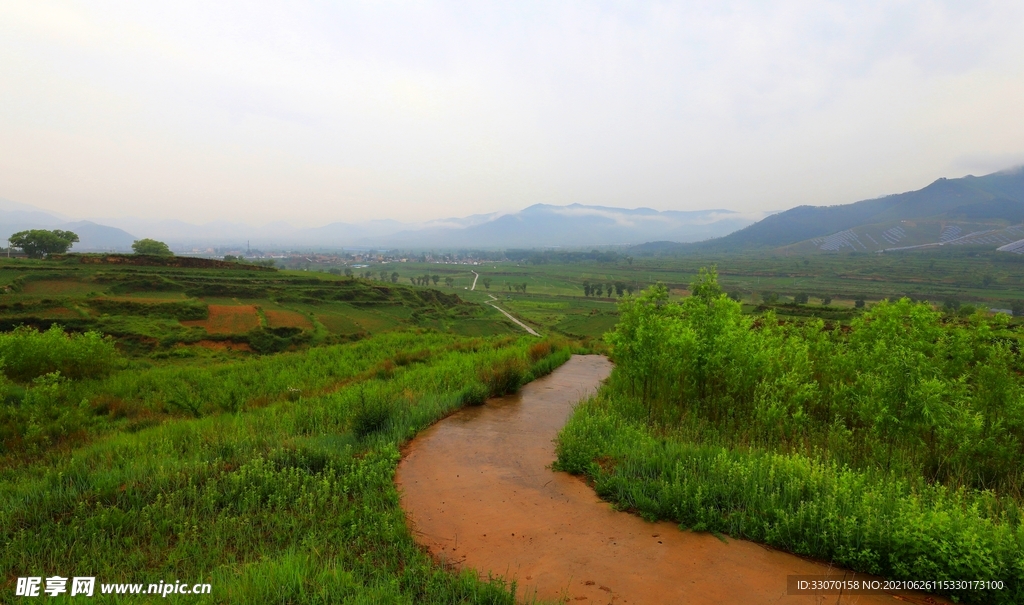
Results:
x,y
291,502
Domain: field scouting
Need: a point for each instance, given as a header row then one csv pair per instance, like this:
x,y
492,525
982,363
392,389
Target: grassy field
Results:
x,y
268,477
554,299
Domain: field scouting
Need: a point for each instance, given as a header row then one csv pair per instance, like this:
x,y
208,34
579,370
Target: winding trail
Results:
x,y
512,317
473,287
478,493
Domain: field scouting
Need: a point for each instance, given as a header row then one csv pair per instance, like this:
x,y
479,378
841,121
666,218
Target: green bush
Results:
x,y
893,446
504,377
185,310
474,394
373,413
28,353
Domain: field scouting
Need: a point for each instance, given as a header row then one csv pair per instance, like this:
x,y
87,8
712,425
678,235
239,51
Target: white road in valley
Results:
x,y
473,287
510,316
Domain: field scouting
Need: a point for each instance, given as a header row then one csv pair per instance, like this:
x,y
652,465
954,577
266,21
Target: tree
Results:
x,y
523,285
859,303
487,283
769,297
38,243
800,299
586,288
619,288
597,289
151,246
394,277
348,273
448,281
608,288
826,301
629,260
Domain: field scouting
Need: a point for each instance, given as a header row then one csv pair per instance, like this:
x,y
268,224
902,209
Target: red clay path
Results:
x,y
479,493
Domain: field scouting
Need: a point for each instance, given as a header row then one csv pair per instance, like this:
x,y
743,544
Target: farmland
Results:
x,y
155,310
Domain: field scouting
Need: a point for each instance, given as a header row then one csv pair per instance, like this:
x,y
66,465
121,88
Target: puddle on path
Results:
x,y
478,492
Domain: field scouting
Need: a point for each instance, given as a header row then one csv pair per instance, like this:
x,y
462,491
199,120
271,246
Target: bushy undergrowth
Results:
x,y
29,353
892,447
290,501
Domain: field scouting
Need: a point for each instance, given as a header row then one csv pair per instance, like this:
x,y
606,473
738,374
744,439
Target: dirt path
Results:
x,y
476,277
512,317
478,493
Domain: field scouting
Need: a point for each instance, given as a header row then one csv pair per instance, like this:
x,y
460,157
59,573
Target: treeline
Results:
x,y
893,446
617,288
541,257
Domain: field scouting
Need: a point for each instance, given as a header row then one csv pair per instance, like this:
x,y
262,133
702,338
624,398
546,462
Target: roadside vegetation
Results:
x,y
270,478
891,446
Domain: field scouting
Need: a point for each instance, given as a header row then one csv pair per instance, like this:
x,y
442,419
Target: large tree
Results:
x,y
38,243
151,246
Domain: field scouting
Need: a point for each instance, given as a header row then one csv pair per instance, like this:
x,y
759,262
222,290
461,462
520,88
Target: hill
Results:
x,y
16,217
968,210
544,225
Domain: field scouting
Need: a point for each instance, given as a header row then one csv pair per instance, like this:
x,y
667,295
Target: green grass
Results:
x,y
288,499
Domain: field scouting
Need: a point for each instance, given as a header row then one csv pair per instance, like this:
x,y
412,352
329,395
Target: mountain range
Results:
x,y
540,225
984,210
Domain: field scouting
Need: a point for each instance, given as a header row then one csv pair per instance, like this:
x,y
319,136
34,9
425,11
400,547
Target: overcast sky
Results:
x,y
318,112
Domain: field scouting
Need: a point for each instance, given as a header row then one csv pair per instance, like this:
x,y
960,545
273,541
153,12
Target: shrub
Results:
x,y
373,413
539,351
473,394
504,377
28,353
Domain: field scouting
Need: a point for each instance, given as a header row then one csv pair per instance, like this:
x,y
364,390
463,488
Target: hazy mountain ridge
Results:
x,y
988,204
540,225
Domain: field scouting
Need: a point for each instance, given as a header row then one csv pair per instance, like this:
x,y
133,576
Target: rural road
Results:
x,y
478,492
473,287
512,317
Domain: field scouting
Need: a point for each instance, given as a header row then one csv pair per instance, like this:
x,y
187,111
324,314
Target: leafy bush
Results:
x,y
893,446
28,353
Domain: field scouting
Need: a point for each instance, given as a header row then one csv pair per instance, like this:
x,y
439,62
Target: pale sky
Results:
x,y
319,112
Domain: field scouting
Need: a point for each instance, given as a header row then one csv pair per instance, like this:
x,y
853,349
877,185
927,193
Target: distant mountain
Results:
x,y
949,211
543,225
16,217
538,225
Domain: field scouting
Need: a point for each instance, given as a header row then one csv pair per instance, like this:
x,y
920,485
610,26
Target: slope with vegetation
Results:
x,y
270,478
892,447
945,210
163,305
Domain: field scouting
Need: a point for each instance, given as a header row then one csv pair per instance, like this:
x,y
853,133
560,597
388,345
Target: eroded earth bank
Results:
x,y
478,492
